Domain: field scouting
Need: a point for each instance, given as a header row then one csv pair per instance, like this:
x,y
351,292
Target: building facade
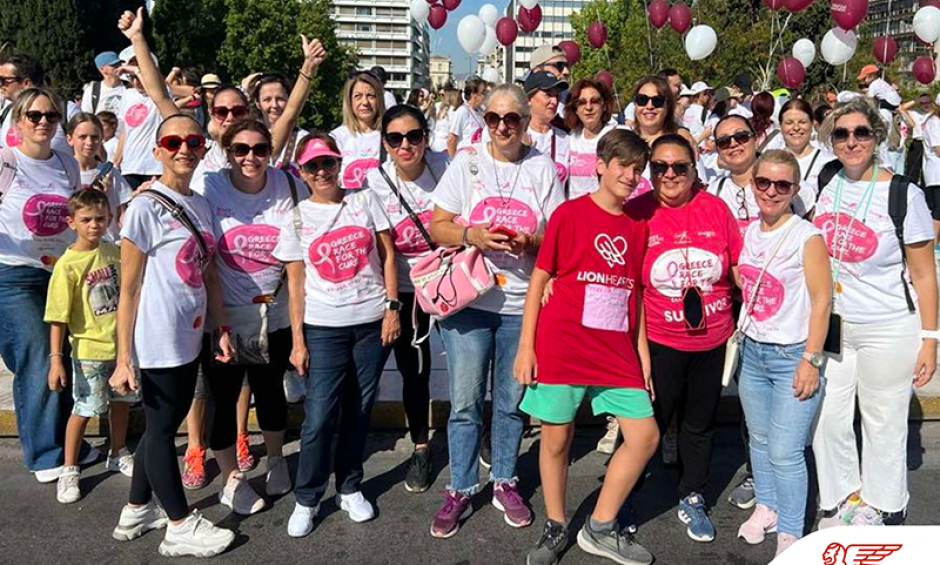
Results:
x,y
440,71
555,28
897,23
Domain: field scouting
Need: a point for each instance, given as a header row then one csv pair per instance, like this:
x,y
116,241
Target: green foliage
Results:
x,y
180,41
324,108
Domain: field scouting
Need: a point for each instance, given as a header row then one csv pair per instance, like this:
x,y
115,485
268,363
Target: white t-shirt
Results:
x,y
553,143
110,148
919,118
109,99
361,154
467,125
582,163
692,119
389,100
119,194
810,167
139,118
741,110
931,130
344,283
410,245
881,90
214,160
527,194
733,195
172,310
247,227
440,132
33,227
629,115
870,273
10,137
781,309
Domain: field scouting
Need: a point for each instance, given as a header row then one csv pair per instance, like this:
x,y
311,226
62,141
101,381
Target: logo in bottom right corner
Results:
x,y
858,554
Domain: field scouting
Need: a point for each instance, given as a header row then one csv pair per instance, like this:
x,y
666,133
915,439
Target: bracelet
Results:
x,y
305,75
51,355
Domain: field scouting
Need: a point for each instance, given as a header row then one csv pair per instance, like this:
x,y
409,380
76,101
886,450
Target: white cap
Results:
x,y
685,91
128,53
846,95
699,87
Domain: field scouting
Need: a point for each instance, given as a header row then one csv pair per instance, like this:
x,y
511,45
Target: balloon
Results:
x,y
529,20
506,30
934,3
529,4
450,5
659,13
489,14
774,4
438,16
838,46
700,42
791,72
680,18
489,42
805,51
927,24
885,48
797,5
419,11
597,34
849,13
471,33
491,75
572,51
606,78
924,69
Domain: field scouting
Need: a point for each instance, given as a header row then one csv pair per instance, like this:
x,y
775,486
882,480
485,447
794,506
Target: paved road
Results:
x,y
34,528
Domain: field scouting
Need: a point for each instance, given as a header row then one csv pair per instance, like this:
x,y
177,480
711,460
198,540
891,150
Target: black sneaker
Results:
x,y
485,454
418,478
553,541
616,545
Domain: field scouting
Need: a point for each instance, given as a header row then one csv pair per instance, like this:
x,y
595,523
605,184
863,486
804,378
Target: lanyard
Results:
x,y
866,198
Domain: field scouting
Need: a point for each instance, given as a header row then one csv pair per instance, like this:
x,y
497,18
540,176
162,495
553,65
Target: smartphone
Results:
x,y
509,232
105,169
833,342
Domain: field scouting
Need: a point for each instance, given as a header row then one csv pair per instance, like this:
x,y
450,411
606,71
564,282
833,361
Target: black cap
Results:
x,y
380,74
743,82
542,80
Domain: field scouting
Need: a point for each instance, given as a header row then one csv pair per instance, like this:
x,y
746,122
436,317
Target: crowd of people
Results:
x,y
172,239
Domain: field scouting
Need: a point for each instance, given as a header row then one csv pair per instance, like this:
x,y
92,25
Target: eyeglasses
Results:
x,y
243,149
591,101
679,168
222,112
861,133
511,119
559,66
741,199
174,143
316,165
641,100
414,137
782,187
35,117
740,137
5,80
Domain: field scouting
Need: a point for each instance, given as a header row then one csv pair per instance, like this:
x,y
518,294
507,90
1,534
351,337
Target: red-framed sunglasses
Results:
x,y
174,143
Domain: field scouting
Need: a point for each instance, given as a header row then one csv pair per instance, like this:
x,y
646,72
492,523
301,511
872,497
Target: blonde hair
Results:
x,y
449,102
858,105
25,98
349,116
780,157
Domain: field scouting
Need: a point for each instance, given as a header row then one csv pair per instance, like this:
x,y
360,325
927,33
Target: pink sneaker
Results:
x,y
506,499
763,521
784,541
194,468
447,520
246,461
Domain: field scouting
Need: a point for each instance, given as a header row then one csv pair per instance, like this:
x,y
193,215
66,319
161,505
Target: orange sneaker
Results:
x,y
246,461
194,468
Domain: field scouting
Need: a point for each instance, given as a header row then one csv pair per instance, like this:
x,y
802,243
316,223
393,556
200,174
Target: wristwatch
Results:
x,y
814,358
930,334
393,305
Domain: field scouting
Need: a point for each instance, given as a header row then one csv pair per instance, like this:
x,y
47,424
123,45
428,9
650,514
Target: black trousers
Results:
x,y
914,162
416,393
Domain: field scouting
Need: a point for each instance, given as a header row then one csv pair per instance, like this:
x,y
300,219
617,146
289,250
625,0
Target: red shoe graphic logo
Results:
x,y
867,554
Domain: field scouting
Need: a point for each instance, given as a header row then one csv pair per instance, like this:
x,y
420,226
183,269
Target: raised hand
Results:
x,y
314,52
132,25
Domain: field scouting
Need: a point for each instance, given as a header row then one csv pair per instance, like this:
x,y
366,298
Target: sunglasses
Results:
x,y
511,119
10,80
174,143
591,101
559,66
641,100
316,165
414,137
35,117
861,133
222,112
782,187
740,137
243,149
659,168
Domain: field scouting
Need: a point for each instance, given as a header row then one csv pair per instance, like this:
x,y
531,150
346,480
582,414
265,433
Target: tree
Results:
x,y
325,106
178,42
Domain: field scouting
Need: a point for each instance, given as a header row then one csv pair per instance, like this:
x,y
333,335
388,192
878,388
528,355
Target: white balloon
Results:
x,y
838,46
528,4
489,14
489,43
420,10
927,24
471,33
700,42
491,75
805,51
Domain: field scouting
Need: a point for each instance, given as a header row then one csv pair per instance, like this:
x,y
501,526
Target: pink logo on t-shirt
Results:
x,y
642,187
339,255
562,172
248,248
408,238
190,262
862,241
477,136
136,114
356,172
583,164
770,295
509,212
45,214
677,269
13,138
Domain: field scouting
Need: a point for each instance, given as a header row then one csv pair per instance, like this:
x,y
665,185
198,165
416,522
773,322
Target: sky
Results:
x,y
444,40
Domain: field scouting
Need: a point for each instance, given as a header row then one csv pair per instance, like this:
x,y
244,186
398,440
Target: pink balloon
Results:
x,y
506,30
774,4
924,69
849,13
437,17
797,5
791,73
680,18
606,78
659,13
450,5
885,48
572,51
529,20
597,34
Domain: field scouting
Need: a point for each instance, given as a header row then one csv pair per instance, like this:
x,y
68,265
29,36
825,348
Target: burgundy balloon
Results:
x,y
849,13
450,5
934,3
572,51
597,34
798,5
791,73
606,78
885,49
437,17
774,4
529,20
659,13
924,69
506,30
680,18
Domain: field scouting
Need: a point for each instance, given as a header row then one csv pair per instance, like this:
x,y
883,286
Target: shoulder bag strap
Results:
x,y
812,164
289,155
721,186
897,209
828,172
7,170
298,223
411,213
179,213
746,310
767,140
95,96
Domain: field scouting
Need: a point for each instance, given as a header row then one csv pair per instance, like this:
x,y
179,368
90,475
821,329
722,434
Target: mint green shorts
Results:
x,y
558,404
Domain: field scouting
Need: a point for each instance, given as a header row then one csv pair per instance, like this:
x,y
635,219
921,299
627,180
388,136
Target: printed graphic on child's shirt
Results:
x,y
103,290
770,295
341,254
858,241
44,215
248,248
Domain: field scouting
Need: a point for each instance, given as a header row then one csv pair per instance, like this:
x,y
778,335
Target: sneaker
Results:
x,y
122,462
841,515
506,499
486,455
239,497
194,468
743,495
895,518
763,521
626,518
301,520
418,478
246,461
456,507
867,516
277,481
784,541
692,513
356,505
135,521
615,545
553,540
295,387
195,536
608,443
67,490
45,476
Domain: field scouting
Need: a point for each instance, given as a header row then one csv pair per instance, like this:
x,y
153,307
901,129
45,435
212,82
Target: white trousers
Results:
x,y
876,366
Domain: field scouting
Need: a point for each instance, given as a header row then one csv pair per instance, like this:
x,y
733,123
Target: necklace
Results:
x,y
504,201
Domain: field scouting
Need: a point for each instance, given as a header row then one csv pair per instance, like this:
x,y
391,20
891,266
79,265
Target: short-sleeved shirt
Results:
x,y
109,99
931,129
361,153
553,143
213,161
582,162
467,124
139,119
119,194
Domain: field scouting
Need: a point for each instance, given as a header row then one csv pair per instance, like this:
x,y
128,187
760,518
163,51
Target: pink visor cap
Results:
x,y
316,148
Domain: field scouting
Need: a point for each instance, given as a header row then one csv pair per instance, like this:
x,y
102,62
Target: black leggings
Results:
x,y
267,385
932,195
167,394
416,394
913,164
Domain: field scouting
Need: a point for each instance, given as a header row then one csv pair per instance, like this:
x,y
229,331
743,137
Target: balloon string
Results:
x,y
649,37
610,67
884,55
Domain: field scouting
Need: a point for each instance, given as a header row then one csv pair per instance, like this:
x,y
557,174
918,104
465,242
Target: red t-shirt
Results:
x,y
585,333
693,245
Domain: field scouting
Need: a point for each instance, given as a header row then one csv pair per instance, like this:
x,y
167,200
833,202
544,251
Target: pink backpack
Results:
x,y
449,280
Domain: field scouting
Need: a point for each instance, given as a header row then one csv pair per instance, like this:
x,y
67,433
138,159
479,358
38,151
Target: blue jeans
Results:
x,y
779,425
473,339
342,382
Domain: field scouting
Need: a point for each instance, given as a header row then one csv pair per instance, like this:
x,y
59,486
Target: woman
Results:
x,y
358,138
344,314
466,124
499,188
888,342
544,90
693,251
270,93
737,151
930,132
403,188
587,113
762,106
787,288
447,107
796,125
655,106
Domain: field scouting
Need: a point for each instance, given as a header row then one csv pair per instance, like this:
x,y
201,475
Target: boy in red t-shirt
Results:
x,y
590,339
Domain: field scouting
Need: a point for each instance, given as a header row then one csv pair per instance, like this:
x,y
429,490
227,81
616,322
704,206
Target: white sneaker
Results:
x,y
277,481
356,505
195,536
301,520
238,496
295,387
48,475
137,520
122,463
67,490
92,456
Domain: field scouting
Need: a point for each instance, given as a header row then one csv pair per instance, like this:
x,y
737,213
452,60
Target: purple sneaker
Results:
x,y
507,500
447,520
